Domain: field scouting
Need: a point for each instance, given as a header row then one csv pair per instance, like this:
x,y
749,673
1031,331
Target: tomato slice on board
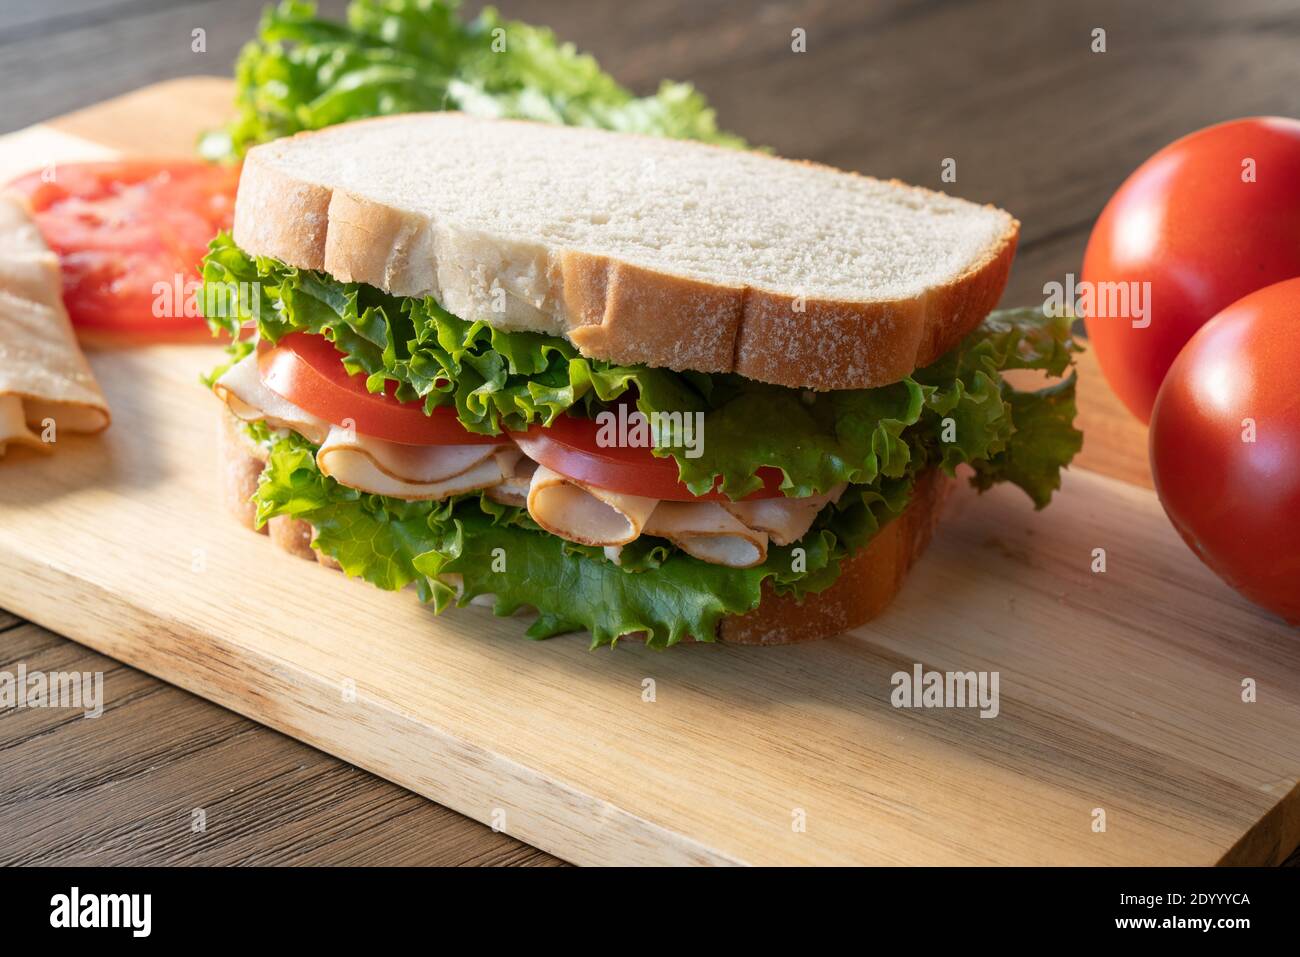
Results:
x,y
307,370
568,446
129,235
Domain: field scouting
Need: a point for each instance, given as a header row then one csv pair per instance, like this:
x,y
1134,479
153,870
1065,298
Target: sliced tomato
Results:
x,y
569,446
129,235
307,370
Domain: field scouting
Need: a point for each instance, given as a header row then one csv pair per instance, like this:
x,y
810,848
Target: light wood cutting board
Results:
x,y
1119,692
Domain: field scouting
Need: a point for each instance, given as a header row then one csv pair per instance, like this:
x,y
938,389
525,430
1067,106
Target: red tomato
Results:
x,y
308,371
129,235
1225,446
1205,221
569,446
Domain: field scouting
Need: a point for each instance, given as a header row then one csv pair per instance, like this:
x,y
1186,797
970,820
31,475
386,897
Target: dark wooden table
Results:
x,y
1036,121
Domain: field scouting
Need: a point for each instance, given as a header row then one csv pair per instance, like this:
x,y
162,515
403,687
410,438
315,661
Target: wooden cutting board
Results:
x,y
1120,692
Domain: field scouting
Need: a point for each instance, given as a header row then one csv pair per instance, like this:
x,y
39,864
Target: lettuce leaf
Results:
x,y
496,549
1045,437
957,410
304,72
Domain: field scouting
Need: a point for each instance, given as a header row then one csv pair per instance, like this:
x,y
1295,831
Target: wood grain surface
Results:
x,y
1037,123
123,789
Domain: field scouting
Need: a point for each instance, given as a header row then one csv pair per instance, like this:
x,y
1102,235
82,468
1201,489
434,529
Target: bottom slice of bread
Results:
x,y
868,581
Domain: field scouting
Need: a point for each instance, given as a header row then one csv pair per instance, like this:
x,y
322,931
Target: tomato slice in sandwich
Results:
x,y
570,446
307,370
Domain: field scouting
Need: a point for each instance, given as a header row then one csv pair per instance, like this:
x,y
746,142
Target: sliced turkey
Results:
x,y
582,513
45,381
513,489
707,531
412,472
363,462
785,520
243,391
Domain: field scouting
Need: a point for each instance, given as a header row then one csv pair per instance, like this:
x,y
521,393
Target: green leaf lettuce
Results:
x,y
468,545
305,72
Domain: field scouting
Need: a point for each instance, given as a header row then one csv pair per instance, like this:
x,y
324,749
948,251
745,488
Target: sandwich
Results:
x,y
633,386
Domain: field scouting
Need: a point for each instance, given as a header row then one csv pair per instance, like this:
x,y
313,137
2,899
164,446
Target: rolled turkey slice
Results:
x,y
44,378
513,489
363,462
385,468
707,531
413,464
244,393
583,513
785,520
13,425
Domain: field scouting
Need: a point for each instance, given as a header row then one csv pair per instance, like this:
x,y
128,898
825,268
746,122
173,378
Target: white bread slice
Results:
x,y
639,250
868,581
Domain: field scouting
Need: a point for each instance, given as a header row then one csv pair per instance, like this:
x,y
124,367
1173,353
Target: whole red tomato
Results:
x,y
1225,446
1205,221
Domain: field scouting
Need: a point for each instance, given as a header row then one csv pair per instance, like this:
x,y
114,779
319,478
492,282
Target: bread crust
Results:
x,y
868,581
292,535
241,464
615,310
282,217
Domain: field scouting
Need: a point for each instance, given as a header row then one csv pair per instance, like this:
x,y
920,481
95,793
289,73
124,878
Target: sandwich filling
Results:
x,y
468,459
723,533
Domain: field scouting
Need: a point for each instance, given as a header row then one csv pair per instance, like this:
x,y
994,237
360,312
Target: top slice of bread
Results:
x,y
637,249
